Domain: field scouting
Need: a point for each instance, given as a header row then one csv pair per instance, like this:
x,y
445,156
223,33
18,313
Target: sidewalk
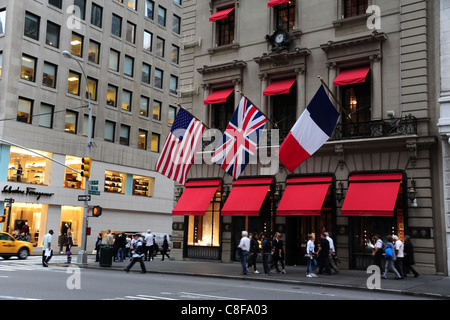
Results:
x,y
425,285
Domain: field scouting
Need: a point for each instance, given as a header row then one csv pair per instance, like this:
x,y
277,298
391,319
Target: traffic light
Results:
x,y
97,211
2,219
86,167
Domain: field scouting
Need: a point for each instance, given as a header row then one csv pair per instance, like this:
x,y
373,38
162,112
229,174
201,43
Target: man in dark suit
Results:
x,y
323,253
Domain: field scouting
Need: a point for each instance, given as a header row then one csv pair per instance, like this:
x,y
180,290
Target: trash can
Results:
x,y
106,255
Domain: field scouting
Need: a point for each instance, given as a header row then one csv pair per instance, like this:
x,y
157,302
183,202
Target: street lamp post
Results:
x,y
82,254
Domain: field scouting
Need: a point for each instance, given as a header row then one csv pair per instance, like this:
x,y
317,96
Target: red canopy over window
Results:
x,y
220,14
304,195
372,195
246,197
276,2
279,87
196,197
218,96
351,76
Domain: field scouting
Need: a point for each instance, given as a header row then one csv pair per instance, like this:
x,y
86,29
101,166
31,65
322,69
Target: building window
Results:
x,y
147,45
176,24
71,121
143,186
73,179
284,109
175,54
159,47
73,85
116,26
72,221
126,100
155,142
225,29
32,23
24,110
110,130
172,114
28,167
177,2
94,51
114,59
157,110
52,36
173,84
221,112
131,32
124,135
55,3
158,78
86,125
2,20
143,109
146,73
128,67
46,115
142,139
81,11
132,4
92,85
96,15
354,7
1,62
28,69
162,16
49,75
76,45
115,182
149,8
285,15
111,96
205,230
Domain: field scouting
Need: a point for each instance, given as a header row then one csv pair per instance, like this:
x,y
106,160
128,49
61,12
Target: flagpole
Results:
x,y
178,104
334,97
273,123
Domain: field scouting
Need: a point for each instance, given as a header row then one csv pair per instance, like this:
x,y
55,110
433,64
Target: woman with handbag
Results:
x,y
310,255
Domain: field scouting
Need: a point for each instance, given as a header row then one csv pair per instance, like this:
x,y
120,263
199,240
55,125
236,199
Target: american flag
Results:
x,y
179,149
240,138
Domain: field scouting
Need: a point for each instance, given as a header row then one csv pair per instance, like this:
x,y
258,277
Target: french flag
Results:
x,y
314,127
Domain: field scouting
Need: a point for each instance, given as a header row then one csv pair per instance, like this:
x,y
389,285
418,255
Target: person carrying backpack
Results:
x,y
390,257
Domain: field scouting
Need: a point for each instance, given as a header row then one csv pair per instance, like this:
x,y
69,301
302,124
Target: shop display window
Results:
x,y
29,218
71,224
28,167
115,181
143,186
205,230
73,179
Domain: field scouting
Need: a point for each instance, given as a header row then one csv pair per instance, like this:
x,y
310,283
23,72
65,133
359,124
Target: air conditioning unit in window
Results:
x,y
190,41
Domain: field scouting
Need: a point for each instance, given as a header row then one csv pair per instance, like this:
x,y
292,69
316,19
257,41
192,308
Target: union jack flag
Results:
x,y
240,138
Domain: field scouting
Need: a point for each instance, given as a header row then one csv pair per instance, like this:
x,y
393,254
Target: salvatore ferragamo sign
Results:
x,y
29,191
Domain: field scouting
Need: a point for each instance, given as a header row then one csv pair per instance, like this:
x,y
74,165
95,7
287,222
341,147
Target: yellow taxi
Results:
x,y
10,247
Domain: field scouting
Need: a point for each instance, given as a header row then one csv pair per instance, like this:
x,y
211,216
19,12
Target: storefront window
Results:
x,y
73,179
205,230
115,181
71,223
28,167
30,218
143,186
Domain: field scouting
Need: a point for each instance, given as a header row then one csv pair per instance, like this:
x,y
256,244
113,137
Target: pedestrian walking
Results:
x,y
47,252
311,256
128,247
332,257
149,245
244,246
377,252
324,253
137,254
266,250
69,244
408,261
165,248
254,252
109,239
389,256
121,242
399,252
98,243
278,253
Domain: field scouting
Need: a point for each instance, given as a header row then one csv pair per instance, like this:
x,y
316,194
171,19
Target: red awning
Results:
x,y
196,197
218,96
372,195
276,2
246,197
351,76
279,87
220,14
304,195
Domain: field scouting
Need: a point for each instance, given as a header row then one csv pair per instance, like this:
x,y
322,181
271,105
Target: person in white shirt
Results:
x,y
310,251
244,245
378,251
149,246
332,253
400,255
47,252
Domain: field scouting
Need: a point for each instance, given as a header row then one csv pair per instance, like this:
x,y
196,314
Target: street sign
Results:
x,y
94,192
93,188
84,197
93,182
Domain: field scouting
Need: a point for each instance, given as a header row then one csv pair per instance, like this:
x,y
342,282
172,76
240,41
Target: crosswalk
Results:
x,y
173,296
30,264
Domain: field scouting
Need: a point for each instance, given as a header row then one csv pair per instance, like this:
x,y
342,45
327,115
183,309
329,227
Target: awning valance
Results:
x,y
351,76
276,2
220,14
304,195
372,195
279,87
196,197
218,96
246,197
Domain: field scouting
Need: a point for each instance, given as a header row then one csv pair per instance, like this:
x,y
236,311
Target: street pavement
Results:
x,y
431,286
